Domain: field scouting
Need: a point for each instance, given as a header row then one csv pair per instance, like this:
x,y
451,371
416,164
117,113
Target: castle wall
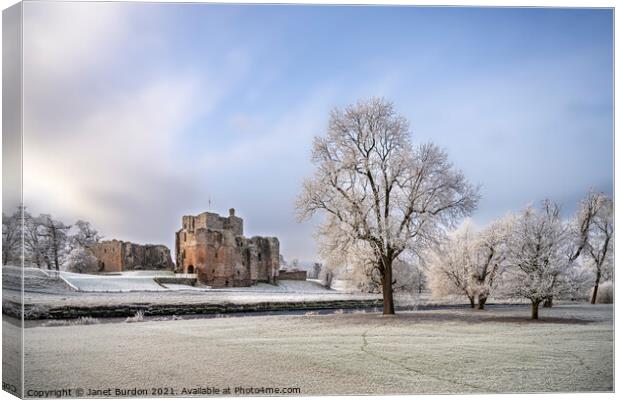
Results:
x,y
292,275
109,255
117,256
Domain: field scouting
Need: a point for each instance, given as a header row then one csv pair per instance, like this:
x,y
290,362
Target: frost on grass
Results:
x,y
78,321
171,318
139,317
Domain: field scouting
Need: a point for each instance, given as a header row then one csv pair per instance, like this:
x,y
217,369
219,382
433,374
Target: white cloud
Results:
x,y
105,127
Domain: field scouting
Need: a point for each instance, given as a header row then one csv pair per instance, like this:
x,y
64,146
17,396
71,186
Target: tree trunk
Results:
x,y
535,309
481,302
548,302
472,302
388,297
595,290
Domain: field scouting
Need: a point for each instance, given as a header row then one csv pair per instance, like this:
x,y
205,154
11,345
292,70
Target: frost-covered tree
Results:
x,y
381,189
316,270
600,242
578,236
576,283
81,260
85,236
489,258
537,254
56,236
586,241
451,265
34,243
470,262
11,237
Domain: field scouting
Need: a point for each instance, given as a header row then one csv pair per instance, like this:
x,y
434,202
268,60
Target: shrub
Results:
x,y
82,261
139,317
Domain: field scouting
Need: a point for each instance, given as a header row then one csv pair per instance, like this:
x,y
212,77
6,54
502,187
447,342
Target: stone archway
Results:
x,y
190,269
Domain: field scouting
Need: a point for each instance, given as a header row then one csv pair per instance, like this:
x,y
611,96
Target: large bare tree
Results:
x,y
380,189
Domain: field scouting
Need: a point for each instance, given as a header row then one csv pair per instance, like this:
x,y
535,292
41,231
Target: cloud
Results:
x,y
109,154
136,115
108,126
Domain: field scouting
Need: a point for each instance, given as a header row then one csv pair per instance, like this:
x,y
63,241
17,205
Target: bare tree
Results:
x,y
56,237
11,236
380,189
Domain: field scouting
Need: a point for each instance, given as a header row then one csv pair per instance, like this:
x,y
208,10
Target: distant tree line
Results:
x,y
48,242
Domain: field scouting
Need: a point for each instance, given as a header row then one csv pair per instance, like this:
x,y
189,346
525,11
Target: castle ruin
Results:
x,y
117,256
214,248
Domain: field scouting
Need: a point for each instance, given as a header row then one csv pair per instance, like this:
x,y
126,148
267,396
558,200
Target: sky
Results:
x,y
138,113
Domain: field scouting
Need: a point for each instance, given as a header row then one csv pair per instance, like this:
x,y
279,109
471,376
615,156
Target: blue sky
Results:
x,y
140,113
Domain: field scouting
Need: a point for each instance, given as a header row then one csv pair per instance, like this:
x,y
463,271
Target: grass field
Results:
x,y
439,351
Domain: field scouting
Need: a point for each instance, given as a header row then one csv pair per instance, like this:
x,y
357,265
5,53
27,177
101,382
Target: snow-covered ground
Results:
x,y
113,283
145,281
440,351
139,281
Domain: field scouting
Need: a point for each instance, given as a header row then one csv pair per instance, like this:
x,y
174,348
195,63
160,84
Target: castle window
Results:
x,y
260,257
105,250
184,237
190,269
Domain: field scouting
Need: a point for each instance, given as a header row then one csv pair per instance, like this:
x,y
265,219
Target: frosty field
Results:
x,y
438,351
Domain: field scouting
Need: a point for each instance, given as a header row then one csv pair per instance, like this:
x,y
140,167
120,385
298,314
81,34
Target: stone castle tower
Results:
x,y
214,248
